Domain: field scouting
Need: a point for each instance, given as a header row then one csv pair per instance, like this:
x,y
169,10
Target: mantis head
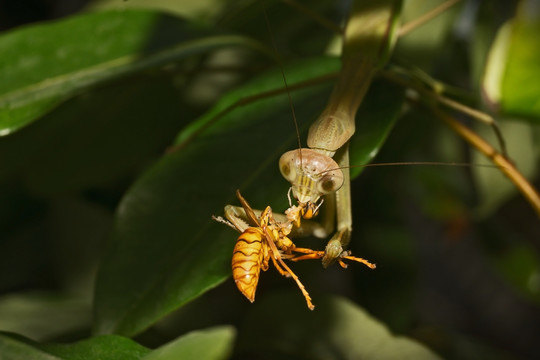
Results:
x,y
311,174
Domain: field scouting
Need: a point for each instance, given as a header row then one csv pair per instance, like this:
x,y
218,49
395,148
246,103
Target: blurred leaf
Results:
x,y
77,229
374,121
521,266
92,140
14,348
209,344
42,65
488,21
419,46
338,329
214,343
42,316
110,347
513,63
165,250
495,188
189,8
396,256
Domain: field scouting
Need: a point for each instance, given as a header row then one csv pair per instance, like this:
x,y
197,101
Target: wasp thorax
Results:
x,y
311,174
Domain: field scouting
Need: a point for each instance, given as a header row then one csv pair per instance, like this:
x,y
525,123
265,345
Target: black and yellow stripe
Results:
x,y
246,261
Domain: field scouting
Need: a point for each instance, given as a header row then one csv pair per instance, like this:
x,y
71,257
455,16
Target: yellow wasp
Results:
x,y
266,239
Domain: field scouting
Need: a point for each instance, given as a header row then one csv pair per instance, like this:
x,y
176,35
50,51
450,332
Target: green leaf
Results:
x,y
165,250
209,344
42,315
107,347
188,8
338,329
76,145
43,65
374,121
514,63
94,140
214,343
15,348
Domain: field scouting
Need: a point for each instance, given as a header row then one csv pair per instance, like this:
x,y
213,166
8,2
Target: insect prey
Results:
x,y
262,239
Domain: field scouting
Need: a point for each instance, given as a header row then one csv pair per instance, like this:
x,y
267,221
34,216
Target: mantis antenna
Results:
x,y
276,55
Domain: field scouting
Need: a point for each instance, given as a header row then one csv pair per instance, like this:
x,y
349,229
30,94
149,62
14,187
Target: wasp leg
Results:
x,y
277,257
280,269
360,260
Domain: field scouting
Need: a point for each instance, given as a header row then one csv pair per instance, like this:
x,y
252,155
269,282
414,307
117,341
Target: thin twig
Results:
x,y
506,167
316,17
412,25
437,96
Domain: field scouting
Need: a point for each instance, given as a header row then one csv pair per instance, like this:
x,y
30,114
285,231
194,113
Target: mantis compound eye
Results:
x,y
287,166
330,183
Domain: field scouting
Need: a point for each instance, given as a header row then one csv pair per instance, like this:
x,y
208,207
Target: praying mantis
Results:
x,y
322,169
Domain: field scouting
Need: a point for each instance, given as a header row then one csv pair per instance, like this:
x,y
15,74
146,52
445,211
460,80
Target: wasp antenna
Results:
x,y
276,55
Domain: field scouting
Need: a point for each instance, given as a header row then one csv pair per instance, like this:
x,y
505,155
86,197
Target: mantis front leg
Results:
x,y
335,247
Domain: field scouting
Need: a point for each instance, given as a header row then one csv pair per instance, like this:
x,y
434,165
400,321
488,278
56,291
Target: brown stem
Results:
x,y
507,168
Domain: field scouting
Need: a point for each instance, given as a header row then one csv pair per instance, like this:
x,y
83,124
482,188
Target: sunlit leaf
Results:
x,y
513,63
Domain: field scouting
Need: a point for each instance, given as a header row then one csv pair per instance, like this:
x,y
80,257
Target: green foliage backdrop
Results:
x,y
124,127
